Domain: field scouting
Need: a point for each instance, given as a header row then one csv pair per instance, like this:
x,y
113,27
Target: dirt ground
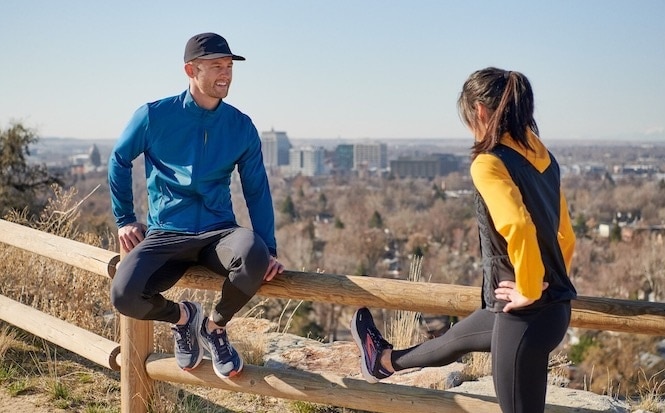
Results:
x,y
29,403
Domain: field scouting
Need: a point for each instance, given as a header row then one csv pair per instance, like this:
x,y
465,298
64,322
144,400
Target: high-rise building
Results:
x,y
307,161
343,158
275,147
370,156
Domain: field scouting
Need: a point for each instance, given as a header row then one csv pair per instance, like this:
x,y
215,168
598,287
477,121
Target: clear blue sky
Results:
x,y
348,69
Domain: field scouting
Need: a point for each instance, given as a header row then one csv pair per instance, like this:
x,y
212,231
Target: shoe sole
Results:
x,y
232,374
198,321
364,369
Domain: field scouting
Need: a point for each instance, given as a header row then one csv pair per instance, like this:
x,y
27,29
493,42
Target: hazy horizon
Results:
x,y
347,69
465,141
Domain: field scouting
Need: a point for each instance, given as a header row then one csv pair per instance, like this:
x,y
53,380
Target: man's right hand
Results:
x,y
130,235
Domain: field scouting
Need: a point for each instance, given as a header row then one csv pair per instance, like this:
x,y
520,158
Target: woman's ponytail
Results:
x,y
508,97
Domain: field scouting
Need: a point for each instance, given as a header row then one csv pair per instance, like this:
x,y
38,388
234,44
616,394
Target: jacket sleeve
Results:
x,y
256,189
566,234
512,220
130,145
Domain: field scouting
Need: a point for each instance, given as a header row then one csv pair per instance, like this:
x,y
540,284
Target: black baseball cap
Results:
x,y
208,46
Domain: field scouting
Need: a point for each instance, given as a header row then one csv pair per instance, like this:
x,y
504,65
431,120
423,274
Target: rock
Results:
x,y
290,351
558,396
343,357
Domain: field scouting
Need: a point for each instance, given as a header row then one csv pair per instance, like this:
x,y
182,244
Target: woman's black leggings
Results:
x,y
520,343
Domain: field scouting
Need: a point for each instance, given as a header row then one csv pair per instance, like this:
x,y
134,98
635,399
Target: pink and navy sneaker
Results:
x,y
371,344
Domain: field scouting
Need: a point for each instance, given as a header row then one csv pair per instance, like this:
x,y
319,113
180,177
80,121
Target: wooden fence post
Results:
x,y
136,344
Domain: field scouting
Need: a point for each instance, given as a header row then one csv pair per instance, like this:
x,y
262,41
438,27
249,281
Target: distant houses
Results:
x,y
627,226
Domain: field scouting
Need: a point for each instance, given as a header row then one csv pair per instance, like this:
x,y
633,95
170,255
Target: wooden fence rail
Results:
x,y
608,314
139,366
68,336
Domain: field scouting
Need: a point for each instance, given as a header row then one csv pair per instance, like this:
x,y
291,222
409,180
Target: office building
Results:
x,y
306,161
428,167
275,147
343,157
370,156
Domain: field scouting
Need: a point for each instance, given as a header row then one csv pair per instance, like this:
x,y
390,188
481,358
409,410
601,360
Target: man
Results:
x,y
191,144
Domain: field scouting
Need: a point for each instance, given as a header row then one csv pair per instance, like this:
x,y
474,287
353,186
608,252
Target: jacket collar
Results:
x,y
191,106
539,157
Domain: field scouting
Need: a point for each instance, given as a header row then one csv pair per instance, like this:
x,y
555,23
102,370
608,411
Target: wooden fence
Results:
x,y
139,366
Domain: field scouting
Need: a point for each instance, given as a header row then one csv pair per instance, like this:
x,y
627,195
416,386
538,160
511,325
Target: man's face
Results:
x,y
212,77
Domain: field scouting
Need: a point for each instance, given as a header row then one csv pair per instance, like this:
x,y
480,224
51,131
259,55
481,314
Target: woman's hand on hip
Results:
x,y
507,292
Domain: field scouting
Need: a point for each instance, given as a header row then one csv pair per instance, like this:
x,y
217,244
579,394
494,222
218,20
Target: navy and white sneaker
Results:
x,y
226,362
187,349
371,344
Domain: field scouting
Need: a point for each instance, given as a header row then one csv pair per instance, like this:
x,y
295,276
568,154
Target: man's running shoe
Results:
x,y
371,344
188,352
225,359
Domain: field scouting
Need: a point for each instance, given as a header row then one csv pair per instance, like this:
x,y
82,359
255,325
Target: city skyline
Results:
x,y
347,70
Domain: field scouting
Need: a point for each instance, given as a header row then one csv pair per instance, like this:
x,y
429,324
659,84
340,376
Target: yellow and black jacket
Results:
x,y
525,231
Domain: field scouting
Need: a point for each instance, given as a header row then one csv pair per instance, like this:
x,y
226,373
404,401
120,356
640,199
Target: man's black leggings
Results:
x,y
520,343
161,259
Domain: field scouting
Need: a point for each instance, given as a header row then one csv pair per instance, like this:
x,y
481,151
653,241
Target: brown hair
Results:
x,y
509,99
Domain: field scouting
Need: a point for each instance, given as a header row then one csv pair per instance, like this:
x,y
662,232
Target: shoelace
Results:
x,y
377,338
222,347
184,338
380,344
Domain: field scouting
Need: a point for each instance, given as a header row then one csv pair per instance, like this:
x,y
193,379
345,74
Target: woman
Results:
x,y
526,242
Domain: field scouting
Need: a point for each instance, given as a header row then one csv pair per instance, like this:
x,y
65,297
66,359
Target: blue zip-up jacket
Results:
x,y
190,153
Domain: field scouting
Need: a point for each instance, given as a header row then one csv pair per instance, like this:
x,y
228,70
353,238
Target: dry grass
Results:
x,y
651,393
7,340
476,365
403,329
63,291
249,336
31,366
559,369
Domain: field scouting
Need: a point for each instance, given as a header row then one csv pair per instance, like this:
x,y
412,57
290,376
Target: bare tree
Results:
x,y
21,183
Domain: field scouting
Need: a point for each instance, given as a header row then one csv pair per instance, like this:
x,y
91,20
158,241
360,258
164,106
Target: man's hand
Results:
x,y
507,292
131,234
274,268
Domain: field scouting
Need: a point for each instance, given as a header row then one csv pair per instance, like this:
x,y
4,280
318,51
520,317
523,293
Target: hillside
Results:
x,y
376,225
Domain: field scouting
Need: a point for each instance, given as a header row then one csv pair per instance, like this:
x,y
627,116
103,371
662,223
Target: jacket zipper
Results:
x,y
201,156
